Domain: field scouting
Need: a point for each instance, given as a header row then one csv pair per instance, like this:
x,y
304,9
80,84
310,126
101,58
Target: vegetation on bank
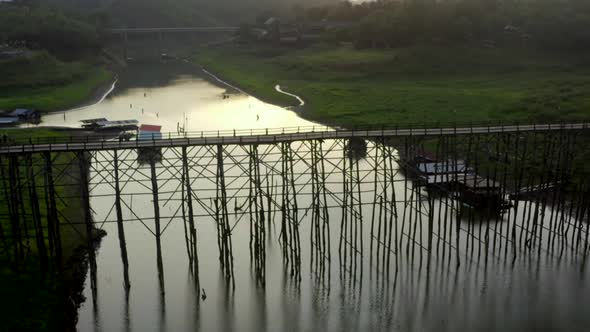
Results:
x,y
182,13
37,300
40,81
545,24
48,59
412,85
35,26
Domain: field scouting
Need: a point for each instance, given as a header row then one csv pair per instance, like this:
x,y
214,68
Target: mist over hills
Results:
x,y
149,13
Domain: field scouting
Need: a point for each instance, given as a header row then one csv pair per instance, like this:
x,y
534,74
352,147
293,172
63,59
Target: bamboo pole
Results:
x,y
52,219
85,195
120,227
158,230
191,221
36,212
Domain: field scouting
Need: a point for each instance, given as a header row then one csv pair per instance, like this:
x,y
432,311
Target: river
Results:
x,y
178,94
543,293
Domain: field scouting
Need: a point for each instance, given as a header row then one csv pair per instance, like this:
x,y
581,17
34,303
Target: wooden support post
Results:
x,y
85,196
24,228
294,216
3,237
326,216
18,251
393,216
284,207
359,223
191,221
120,227
158,232
52,219
36,213
342,249
374,205
223,222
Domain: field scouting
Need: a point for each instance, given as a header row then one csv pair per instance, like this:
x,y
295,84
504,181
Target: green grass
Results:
x,y
44,83
412,85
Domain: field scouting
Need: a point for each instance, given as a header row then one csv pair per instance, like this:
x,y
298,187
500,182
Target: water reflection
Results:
x,y
418,292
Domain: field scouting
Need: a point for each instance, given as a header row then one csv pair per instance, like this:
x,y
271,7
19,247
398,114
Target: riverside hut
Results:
x,y
149,133
480,192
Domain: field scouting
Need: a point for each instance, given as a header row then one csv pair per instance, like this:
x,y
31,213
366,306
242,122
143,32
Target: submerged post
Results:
x,y
52,219
85,195
120,228
189,201
154,180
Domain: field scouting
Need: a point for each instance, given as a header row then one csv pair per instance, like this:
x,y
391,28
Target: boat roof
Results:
x,y
450,166
476,182
147,127
8,120
445,178
117,123
21,111
90,121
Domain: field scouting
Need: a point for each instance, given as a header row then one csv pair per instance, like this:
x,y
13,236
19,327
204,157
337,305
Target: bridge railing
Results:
x,y
83,136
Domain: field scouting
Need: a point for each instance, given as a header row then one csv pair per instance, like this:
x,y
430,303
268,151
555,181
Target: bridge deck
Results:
x,y
173,29
273,136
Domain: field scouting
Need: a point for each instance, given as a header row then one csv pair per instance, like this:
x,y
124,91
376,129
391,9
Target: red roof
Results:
x,y
150,128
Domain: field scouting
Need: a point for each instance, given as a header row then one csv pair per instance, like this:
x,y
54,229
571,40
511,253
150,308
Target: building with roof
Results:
x,y
25,114
149,132
8,121
149,154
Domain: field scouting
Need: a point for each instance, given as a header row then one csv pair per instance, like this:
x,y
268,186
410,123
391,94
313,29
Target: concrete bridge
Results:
x,y
125,33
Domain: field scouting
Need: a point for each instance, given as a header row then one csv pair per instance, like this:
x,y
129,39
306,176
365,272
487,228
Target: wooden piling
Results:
x,y
193,231
52,219
36,214
85,195
120,227
158,230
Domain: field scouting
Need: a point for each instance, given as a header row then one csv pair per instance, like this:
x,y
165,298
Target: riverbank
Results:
x,y
348,87
46,301
415,86
44,83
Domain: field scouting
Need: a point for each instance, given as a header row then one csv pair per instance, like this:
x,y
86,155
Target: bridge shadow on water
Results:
x,y
319,235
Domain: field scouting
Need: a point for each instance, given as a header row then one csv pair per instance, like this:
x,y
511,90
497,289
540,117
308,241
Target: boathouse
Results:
x,y
480,192
24,114
149,154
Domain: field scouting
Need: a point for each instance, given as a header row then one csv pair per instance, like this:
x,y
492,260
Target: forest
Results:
x,y
550,24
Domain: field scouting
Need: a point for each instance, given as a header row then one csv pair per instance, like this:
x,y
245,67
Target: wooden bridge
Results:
x,y
338,192
171,30
271,136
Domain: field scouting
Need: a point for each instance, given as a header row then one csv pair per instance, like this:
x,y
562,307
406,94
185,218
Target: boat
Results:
x,y
102,124
482,193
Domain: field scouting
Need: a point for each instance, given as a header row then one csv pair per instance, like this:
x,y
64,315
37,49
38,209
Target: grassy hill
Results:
x,y
150,13
40,81
415,84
